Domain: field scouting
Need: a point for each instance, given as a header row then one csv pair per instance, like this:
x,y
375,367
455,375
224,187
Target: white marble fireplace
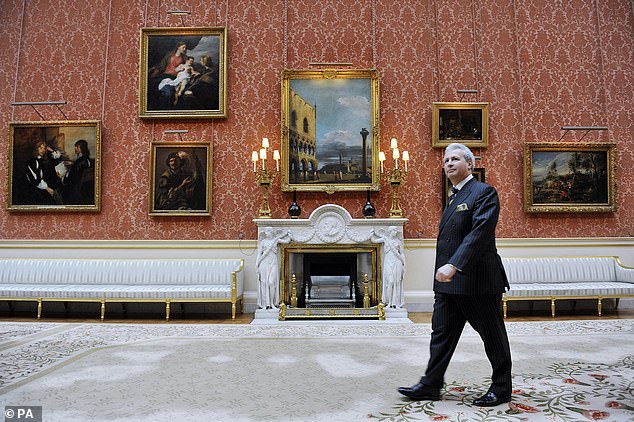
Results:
x,y
330,229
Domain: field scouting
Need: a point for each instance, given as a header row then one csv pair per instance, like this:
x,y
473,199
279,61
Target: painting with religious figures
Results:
x,y
183,73
330,130
466,123
54,166
569,177
180,178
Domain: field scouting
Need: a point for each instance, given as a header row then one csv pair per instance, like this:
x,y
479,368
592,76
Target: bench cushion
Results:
x,y
521,271
115,272
605,288
120,291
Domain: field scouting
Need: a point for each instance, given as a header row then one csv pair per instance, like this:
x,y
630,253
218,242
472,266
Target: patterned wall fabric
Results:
x,y
541,64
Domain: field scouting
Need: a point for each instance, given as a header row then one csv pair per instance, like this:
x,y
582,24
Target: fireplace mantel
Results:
x,y
330,225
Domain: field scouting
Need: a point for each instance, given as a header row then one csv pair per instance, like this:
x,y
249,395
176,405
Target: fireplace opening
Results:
x,y
300,262
338,270
329,280
330,264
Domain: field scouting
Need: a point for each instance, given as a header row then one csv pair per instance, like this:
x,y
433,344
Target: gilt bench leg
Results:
x,y
39,309
552,307
599,305
167,310
103,309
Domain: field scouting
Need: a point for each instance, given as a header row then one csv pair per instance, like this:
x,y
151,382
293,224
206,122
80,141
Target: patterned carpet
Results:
x,y
563,371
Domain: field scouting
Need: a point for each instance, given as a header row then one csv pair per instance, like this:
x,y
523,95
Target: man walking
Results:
x,y
469,282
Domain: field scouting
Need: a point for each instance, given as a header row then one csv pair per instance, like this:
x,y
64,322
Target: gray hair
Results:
x,y
466,152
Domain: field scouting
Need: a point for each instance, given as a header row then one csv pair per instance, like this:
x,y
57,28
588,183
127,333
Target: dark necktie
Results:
x,y
454,191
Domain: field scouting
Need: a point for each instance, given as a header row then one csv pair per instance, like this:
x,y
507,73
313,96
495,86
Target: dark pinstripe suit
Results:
x,y
466,239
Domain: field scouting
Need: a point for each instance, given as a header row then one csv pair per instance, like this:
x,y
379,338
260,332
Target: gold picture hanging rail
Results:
x,y
178,132
586,128
466,91
35,103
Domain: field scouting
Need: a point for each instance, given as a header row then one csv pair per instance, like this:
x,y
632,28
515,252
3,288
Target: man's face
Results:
x,y
455,166
41,150
175,163
77,150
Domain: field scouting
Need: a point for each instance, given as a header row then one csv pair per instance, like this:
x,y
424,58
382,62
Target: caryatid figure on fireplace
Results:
x,y
393,271
268,267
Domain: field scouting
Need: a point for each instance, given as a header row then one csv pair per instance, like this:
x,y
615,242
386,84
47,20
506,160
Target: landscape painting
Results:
x,y
569,177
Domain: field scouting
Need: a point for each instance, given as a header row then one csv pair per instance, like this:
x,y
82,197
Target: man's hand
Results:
x,y
187,181
445,273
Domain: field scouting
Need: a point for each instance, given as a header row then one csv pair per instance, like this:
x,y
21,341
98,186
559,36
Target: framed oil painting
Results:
x,y
478,173
183,73
180,178
330,130
54,166
466,123
569,177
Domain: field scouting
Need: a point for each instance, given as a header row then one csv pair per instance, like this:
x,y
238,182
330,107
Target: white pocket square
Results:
x,y
462,207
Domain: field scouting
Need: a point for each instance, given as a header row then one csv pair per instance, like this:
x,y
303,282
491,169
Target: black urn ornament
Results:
x,y
368,208
294,210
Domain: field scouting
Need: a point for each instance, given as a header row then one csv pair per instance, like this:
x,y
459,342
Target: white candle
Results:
x,y
381,159
254,158
405,158
393,143
395,155
265,143
276,157
263,156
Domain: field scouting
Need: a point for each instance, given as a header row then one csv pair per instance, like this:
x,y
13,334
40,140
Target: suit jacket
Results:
x,y
466,239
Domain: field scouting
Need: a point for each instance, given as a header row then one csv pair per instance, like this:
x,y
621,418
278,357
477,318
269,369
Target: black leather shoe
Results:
x,y
491,399
420,392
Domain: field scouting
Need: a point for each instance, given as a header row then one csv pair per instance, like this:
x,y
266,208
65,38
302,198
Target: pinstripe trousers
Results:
x,y
451,313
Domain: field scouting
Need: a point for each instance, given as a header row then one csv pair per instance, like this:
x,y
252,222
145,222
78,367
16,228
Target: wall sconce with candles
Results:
x,y
395,176
265,176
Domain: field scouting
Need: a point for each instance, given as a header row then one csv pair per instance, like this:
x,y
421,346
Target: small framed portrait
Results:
x,y
183,73
330,130
180,178
478,173
569,177
54,166
466,123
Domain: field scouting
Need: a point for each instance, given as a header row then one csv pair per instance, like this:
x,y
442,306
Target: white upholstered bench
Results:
x,y
567,278
123,280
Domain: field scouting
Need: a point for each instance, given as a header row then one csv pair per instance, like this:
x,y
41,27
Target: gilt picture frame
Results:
x,y
479,174
569,177
183,73
330,130
466,123
180,179
54,166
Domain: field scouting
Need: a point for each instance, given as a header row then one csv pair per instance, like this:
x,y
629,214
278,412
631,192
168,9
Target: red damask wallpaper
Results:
x,y
541,64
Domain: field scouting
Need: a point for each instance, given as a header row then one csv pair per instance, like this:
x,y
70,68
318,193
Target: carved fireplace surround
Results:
x,y
330,229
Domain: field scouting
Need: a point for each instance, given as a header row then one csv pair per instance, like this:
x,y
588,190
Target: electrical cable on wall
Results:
x,y
474,18
105,67
17,68
437,51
